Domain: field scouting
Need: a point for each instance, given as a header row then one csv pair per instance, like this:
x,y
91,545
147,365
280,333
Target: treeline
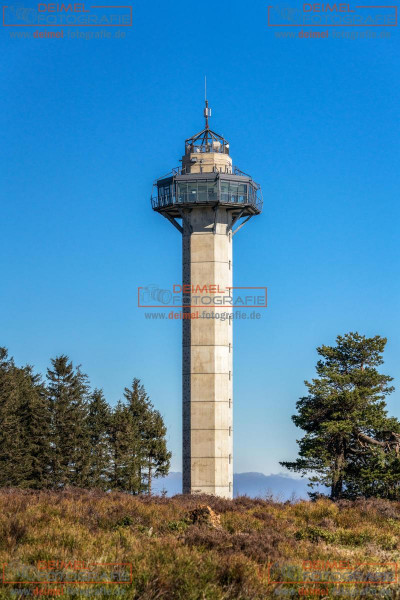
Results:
x,y
58,432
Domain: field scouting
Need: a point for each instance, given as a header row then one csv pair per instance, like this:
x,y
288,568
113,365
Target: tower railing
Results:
x,y
182,171
253,198
223,189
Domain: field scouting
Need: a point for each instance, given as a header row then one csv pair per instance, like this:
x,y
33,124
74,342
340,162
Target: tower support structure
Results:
x,y
207,353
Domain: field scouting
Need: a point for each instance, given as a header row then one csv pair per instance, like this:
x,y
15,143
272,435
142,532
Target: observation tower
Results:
x,y
207,200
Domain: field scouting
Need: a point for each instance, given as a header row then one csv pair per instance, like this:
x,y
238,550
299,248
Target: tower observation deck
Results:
x,y
208,201
206,177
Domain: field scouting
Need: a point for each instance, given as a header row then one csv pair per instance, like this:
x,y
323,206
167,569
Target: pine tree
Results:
x,y
344,414
99,424
138,442
11,443
139,407
158,457
24,427
125,445
70,441
153,457
34,421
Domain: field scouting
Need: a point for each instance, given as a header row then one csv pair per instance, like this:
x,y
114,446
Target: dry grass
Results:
x,y
172,558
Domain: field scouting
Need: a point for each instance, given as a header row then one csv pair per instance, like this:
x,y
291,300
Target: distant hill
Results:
x,y
281,486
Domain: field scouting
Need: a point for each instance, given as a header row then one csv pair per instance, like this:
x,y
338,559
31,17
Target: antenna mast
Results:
x,y
207,111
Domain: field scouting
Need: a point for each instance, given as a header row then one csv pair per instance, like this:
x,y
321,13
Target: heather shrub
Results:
x,y
176,557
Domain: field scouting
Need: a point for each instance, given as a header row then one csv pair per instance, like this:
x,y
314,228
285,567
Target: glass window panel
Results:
x,y
224,191
202,192
212,190
164,193
182,192
233,192
252,194
242,192
192,191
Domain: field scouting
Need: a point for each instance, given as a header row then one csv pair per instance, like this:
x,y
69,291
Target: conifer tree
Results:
x,y
138,441
70,440
99,425
138,404
34,422
344,415
158,457
24,427
11,470
125,445
153,457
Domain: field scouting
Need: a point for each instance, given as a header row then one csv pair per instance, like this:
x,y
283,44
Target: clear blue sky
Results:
x,y
86,127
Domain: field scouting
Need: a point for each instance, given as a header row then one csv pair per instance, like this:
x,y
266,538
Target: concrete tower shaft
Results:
x,y
207,354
